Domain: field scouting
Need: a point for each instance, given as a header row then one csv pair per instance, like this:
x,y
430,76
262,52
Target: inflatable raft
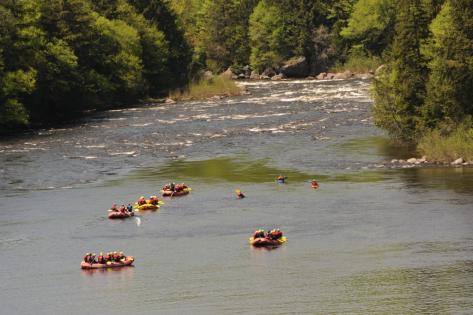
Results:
x,y
120,215
146,206
170,193
267,242
127,262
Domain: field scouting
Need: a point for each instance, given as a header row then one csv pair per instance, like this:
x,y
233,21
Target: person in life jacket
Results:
x,y
141,201
107,257
116,257
281,178
172,186
153,200
129,208
114,207
239,194
314,184
259,234
100,258
87,257
122,209
275,234
92,258
121,256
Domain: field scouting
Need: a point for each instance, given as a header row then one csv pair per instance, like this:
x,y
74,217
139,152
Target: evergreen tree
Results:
x,y
179,56
450,86
400,92
267,35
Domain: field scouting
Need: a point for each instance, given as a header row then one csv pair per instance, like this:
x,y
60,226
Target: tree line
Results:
x,y
61,57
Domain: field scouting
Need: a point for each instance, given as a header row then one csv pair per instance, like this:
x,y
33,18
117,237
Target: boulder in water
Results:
x,y
229,74
296,67
254,75
321,76
458,161
268,72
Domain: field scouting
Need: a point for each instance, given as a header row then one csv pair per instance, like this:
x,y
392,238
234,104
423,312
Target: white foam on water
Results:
x,y
258,129
141,125
122,153
84,157
95,146
241,117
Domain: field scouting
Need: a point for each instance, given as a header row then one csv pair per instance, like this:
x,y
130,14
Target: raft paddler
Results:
x,y
87,257
259,234
239,194
314,184
122,256
153,200
141,201
101,258
281,179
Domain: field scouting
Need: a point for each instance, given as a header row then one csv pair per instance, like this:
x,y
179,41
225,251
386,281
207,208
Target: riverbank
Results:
x,y
207,87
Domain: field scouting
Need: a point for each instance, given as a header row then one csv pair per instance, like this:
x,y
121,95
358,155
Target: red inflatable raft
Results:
x,y
127,262
120,215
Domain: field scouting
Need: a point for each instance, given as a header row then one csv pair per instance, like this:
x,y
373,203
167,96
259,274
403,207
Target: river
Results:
x,y
372,240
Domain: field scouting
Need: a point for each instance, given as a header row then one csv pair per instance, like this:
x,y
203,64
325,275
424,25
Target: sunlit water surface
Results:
x,y
371,240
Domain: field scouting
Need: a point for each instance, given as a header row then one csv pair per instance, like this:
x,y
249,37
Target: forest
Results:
x,y
60,58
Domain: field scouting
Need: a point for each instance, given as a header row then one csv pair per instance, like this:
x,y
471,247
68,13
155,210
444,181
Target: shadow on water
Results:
x,y
459,180
243,170
376,145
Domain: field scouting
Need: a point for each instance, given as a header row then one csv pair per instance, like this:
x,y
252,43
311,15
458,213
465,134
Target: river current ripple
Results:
x,y
118,140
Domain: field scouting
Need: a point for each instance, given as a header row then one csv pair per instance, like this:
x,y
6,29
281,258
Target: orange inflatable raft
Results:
x,y
267,242
127,262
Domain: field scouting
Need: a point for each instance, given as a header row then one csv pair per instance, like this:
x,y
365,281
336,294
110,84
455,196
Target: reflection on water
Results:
x,y
442,289
377,145
243,170
459,180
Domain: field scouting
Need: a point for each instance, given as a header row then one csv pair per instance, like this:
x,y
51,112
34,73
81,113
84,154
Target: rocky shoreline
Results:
x,y
424,162
296,68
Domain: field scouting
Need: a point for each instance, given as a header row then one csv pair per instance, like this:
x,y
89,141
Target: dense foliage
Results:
x,y
426,89
61,57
